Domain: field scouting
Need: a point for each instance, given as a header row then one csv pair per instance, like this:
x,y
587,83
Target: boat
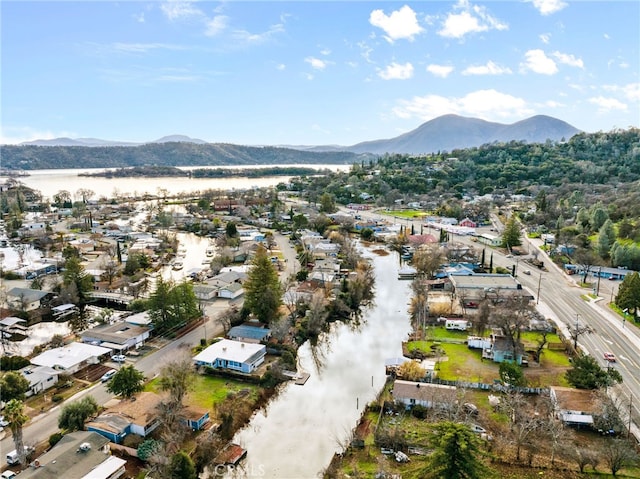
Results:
x,y
407,273
177,265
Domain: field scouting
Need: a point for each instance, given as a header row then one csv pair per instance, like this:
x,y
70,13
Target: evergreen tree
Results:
x,y
171,307
457,453
13,385
73,415
511,234
606,239
75,276
628,296
182,467
587,374
126,382
263,294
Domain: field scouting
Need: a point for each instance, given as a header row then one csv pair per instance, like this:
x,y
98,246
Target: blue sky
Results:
x,y
341,72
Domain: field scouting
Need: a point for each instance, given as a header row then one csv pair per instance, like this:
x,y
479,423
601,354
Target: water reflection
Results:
x,y
298,433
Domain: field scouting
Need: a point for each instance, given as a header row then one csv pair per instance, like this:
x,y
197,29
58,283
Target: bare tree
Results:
x,y
619,453
317,314
428,259
584,457
228,317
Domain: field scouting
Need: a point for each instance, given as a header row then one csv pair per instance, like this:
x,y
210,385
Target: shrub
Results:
x,y
55,438
57,398
13,363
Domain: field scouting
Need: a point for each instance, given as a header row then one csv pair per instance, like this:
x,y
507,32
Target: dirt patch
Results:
x,y
380,252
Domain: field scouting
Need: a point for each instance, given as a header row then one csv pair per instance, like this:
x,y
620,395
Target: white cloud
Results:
x,y
16,135
401,24
538,62
138,17
567,59
630,91
553,104
325,52
490,68
606,36
179,9
281,67
486,104
316,63
470,19
143,47
607,104
545,37
396,71
258,38
441,71
216,25
547,7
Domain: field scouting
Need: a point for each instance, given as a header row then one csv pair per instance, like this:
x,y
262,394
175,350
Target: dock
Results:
x,y
301,378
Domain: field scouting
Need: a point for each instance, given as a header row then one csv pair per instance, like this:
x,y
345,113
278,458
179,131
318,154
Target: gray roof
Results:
x,y
28,294
248,332
66,459
117,333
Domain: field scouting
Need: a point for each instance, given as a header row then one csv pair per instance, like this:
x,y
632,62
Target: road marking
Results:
x,y
607,341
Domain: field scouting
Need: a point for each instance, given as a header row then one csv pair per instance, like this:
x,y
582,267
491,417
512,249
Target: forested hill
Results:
x,y
31,157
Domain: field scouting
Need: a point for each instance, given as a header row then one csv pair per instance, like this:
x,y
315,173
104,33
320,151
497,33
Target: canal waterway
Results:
x,y
298,432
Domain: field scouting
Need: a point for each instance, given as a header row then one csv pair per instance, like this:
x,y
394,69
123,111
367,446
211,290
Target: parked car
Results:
x,y
3,422
119,358
108,375
610,357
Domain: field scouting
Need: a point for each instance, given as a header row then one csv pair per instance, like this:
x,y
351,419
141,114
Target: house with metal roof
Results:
x,y
249,334
233,355
26,299
411,393
120,336
71,358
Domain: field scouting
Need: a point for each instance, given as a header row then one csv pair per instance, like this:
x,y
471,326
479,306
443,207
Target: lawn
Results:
x,y
208,390
407,214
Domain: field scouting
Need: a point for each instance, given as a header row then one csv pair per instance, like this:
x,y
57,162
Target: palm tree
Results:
x,y
15,416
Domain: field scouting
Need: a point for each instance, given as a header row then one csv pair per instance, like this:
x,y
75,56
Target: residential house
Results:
x,y
411,393
78,455
574,407
502,350
25,299
40,378
120,336
140,319
71,358
195,418
231,291
489,239
130,416
205,292
232,355
249,334
469,223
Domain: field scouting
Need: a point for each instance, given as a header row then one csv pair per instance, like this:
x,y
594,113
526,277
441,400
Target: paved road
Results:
x,y
41,427
562,300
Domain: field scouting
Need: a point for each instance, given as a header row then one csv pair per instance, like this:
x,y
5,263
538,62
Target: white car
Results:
x,y
3,422
119,358
108,375
8,475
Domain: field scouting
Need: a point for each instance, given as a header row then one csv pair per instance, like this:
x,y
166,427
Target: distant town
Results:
x,y
492,296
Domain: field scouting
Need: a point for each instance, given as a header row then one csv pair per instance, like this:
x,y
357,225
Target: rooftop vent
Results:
x,y
84,447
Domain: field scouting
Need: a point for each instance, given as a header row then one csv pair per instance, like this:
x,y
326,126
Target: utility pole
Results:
x,y
598,283
630,411
578,331
539,284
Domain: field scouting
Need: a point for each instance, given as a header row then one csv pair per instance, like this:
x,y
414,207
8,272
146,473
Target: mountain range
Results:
x,y
445,133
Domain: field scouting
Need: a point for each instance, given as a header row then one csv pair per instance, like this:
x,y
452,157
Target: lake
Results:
x,y
50,182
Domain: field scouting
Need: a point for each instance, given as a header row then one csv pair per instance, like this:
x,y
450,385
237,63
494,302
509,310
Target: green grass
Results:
x,y
208,390
407,214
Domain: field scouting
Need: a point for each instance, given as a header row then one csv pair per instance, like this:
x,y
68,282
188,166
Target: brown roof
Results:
x,y
193,412
142,409
570,399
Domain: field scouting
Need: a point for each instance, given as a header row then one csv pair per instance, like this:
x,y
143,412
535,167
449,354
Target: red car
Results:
x,y
610,357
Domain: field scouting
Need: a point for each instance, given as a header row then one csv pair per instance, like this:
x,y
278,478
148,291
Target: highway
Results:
x,y
567,305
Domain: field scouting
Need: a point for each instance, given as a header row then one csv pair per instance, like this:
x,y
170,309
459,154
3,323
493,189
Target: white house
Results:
x,y
40,378
429,395
120,336
231,291
234,355
72,357
25,299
